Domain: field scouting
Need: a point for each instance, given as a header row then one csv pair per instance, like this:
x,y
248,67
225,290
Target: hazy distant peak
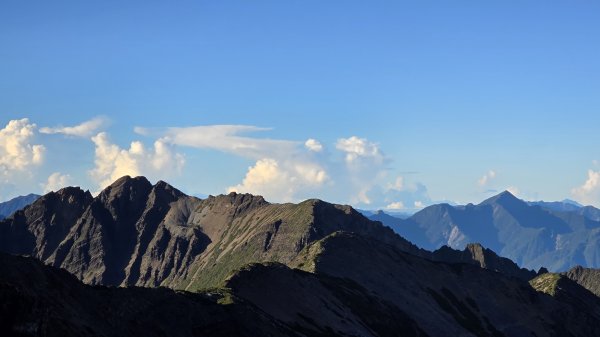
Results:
x,y
571,202
504,198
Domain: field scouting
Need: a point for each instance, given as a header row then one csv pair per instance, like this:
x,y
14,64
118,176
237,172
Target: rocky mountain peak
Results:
x,y
475,253
505,199
127,187
589,278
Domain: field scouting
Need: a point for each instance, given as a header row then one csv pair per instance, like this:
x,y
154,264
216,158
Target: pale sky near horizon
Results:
x,y
385,104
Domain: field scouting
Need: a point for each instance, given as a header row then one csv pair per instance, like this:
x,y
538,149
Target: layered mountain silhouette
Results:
x,y
238,265
9,207
134,233
534,235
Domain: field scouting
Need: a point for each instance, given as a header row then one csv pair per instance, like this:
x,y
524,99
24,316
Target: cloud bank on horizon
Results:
x,y
353,170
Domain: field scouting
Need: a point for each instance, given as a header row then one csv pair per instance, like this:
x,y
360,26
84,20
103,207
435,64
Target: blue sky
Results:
x,y
410,102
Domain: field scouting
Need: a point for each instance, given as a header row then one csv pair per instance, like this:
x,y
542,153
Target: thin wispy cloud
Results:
x,y
85,129
226,138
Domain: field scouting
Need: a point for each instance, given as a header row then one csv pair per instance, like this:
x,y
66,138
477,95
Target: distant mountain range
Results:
x,y
237,265
9,207
555,235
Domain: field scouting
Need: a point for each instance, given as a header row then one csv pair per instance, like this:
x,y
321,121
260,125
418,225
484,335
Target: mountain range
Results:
x,y
554,235
9,207
149,260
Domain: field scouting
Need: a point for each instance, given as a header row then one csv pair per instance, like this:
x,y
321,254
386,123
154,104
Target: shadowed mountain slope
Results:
x,y
445,299
37,300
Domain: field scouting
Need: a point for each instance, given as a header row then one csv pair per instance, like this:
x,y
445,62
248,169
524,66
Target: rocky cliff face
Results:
x,y
134,233
586,277
477,255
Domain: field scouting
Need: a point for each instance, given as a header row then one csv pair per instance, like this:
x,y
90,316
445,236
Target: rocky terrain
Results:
x,y
587,277
238,265
482,257
134,233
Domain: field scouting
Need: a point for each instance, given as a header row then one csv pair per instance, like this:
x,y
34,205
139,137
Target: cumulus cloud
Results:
x,y
16,151
84,129
356,148
287,170
113,162
56,181
313,145
398,205
280,181
412,195
397,185
487,178
284,170
589,192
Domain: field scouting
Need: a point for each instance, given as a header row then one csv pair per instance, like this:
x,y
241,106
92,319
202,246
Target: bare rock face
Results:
x,y
586,277
477,255
38,229
134,233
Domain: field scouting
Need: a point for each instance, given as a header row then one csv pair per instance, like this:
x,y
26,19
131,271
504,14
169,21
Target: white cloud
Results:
x,y
487,178
395,205
356,148
397,185
56,181
16,151
313,145
112,162
84,129
280,181
399,190
225,138
363,170
589,192
284,170
419,204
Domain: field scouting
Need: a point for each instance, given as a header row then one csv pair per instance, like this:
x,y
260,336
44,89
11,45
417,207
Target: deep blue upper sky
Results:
x,y
443,92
